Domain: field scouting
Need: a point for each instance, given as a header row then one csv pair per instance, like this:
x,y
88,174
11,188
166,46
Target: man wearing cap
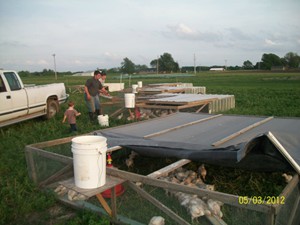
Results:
x,y
92,89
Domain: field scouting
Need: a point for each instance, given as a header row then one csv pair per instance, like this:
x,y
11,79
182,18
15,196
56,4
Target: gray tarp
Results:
x,y
191,136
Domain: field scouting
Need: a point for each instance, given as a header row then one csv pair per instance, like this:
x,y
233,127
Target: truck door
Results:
x,y
13,97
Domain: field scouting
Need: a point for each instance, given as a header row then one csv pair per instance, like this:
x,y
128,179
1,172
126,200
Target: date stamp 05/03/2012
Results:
x,y
259,200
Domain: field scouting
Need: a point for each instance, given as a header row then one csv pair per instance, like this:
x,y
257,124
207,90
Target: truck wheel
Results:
x,y
52,108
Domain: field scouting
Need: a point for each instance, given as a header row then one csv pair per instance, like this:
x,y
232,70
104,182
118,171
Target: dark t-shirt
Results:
x,y
93,86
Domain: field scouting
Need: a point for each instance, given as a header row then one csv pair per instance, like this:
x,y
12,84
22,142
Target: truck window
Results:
x,y
12,80
2,86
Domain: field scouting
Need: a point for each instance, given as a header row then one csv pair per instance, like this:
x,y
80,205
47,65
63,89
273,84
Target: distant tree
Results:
x,y
165,63
140,68
127,66
270,60
24,73
292,60
247,65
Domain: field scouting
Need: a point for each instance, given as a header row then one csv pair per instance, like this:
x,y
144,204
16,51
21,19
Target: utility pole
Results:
x,y
157,65
225,64
194,63
55,67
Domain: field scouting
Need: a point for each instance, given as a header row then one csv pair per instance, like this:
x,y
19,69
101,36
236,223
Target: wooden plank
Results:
x,y
158,204
202,107
117,112
181,126
104,204
287,191
111,182
56,175
113,203
294,211
164,171
284,152
50,155
223,140
223,197
52,142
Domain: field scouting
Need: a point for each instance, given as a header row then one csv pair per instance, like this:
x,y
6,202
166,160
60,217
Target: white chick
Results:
x,y
157,220
120,116
71,194
198,201
214,207
202,171
287,177
79,197
196,211
60,190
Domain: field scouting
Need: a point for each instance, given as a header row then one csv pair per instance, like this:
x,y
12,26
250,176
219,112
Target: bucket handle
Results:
x,y
99,150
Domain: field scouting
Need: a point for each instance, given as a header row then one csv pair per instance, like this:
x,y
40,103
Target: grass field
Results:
x,y
256,93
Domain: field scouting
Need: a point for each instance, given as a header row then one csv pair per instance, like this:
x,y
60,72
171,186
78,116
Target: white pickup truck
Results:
x,y
19,102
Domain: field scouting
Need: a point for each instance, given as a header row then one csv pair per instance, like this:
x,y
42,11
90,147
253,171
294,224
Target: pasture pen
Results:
x,y
50,164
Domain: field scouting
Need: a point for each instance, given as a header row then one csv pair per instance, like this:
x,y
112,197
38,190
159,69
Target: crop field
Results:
x,y
21,202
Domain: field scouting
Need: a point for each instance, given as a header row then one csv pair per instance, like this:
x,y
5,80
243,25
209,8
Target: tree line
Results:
x,y
166,64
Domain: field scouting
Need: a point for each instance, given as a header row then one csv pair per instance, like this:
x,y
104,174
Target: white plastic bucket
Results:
x,y
129,100
134,87
103,120
89,161
140,84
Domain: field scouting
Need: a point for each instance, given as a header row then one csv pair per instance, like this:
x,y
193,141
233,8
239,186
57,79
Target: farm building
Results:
x,y
216,69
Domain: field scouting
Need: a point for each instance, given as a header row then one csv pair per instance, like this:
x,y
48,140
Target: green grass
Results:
x,y
21,202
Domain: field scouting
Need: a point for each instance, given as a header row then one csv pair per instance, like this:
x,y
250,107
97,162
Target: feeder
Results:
x,y
119,188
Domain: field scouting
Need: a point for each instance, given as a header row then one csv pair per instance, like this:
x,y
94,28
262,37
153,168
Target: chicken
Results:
x,y
60,190
129,163
214,207
287,177
157,220
71,194
120,116
79,197
202,172
196,211
133,154
198,201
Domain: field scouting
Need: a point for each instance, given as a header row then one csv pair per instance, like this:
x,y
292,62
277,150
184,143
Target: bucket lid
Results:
x,y
90,140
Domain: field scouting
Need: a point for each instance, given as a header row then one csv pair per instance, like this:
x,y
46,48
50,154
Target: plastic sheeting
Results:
x,y
249,142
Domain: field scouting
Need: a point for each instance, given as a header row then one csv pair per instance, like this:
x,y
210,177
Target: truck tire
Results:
x,y
52,108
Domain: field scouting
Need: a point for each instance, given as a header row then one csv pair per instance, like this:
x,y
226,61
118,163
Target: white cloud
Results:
x,y
269,42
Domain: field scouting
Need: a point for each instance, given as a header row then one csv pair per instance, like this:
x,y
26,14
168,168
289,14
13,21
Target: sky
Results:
x,y
88,34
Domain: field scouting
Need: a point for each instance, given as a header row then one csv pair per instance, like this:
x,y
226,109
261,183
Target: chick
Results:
x,y
157,220
202,172
120,116
79,197
71,195
198,201
196,211
129,163
60,190
214,207
287,177
133,154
